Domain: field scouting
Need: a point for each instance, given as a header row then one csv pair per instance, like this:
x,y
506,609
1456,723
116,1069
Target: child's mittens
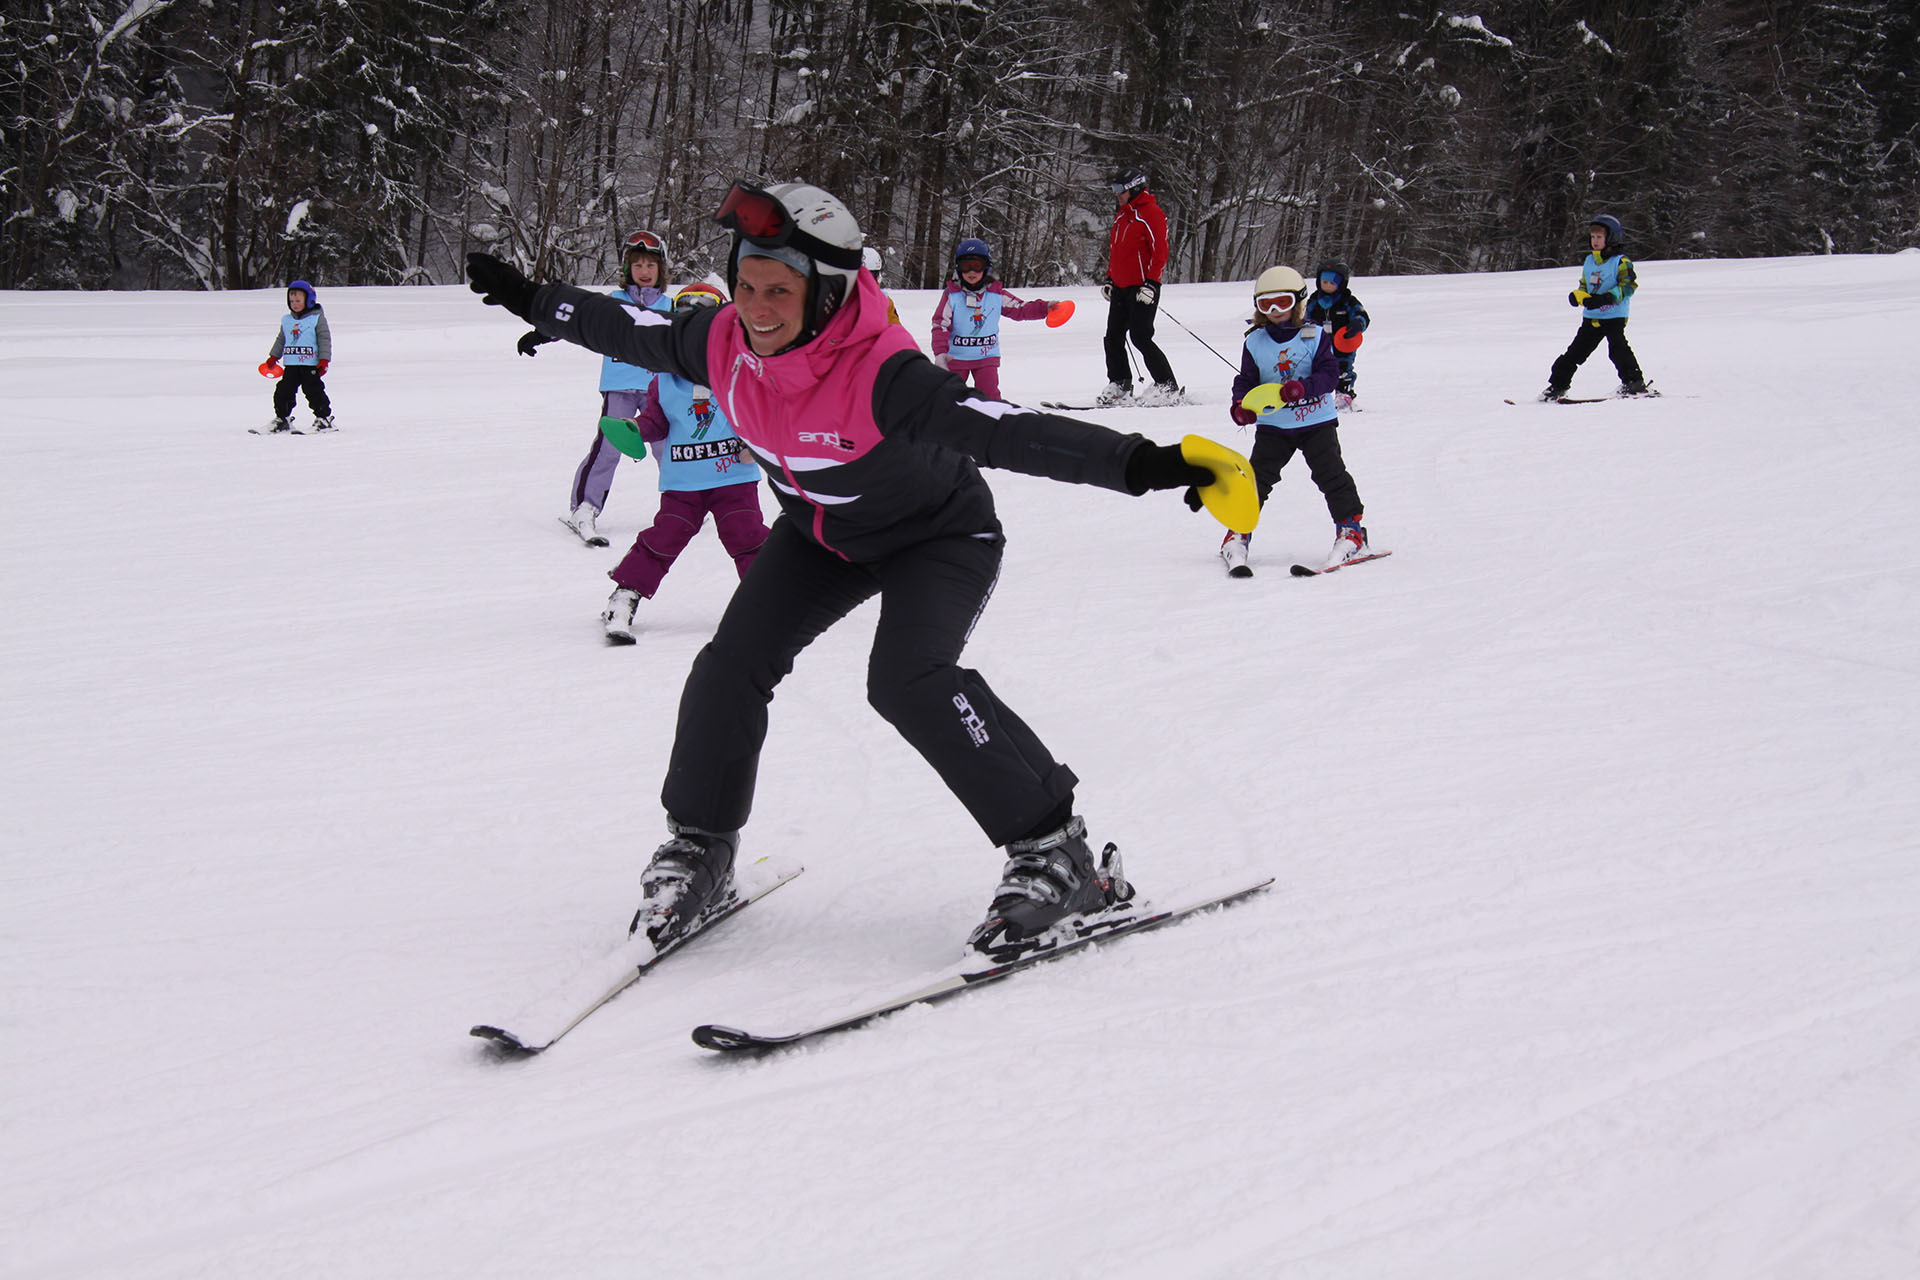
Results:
x,y
1601,300
1242,416
322,367
1575,298
1347,341
270,368
1293,391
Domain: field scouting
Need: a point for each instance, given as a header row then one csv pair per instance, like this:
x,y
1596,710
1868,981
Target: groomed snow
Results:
x,y
1595,948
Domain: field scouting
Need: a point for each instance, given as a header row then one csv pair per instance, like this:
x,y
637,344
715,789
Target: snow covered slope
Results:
x,y
1594,811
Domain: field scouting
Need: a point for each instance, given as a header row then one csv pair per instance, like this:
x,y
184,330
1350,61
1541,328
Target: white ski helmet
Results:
x,y
808,229
1279,280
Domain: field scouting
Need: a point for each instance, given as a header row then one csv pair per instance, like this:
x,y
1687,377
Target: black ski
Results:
x,y
567,1006
979,971
1301,571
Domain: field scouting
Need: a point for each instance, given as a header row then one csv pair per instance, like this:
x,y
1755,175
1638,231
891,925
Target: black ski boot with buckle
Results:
x,y
1048,879
689,873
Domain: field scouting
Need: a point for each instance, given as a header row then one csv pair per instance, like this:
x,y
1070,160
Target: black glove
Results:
x,y
500,285
1163,466
1106,290
531,341
1145,294
1601,299
1192,495
1573,298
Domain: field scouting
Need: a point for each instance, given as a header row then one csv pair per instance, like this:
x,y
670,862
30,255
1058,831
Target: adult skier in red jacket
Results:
x,y
1136,261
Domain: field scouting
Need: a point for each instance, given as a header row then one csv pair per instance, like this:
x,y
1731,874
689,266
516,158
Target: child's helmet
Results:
x,y
305,288
643,242
1616,234
698,294
972,248
870,259
1272,284
1338,270
808,229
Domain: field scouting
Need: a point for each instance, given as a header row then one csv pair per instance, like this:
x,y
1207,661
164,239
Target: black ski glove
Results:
x,y
531,341
1601,300
500,285
1163,466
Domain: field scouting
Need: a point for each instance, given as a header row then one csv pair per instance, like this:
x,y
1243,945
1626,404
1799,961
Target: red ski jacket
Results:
x,y
1137,245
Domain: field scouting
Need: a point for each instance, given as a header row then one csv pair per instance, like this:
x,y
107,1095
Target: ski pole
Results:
x,y
1197,338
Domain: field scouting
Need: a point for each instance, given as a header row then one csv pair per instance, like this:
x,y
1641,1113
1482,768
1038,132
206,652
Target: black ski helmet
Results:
x,y
1128,178
1616,234
1338,269
804,227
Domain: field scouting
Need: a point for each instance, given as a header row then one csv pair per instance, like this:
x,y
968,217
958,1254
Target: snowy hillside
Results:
x,y
1595,813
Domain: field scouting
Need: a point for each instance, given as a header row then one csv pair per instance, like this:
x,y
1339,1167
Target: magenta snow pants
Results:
x,y
985,374
735,509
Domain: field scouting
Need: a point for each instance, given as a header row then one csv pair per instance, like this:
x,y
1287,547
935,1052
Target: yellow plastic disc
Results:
x,y
1264,398
1232,498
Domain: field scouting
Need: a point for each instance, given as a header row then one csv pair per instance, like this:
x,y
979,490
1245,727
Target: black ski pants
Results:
x,y
296,378
930,593
1128,317
1274,449
1587,341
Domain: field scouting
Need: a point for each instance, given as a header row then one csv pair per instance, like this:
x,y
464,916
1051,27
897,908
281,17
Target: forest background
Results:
x,y
216,144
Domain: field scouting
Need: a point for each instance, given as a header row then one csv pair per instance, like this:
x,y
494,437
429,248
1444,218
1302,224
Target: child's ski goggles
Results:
x,y
1275,302
648,241
760,218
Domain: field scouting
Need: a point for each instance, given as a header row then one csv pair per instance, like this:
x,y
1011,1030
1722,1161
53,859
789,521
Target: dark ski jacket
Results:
x,y
869,446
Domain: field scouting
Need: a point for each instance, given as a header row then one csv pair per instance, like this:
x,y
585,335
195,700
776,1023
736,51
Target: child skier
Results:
x,y
704,470
301,352
1283,349
875,455
1606,287
623,387
1334,308
966,320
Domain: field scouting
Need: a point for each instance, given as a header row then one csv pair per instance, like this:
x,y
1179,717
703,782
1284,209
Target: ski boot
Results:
x,y
1046,881
1233,550
618,615
1349,543
581,521
1163,395
1552,393
277,426
688,874
1636,387
324,423
1114,393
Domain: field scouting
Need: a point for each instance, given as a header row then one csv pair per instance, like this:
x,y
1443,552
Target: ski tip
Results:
x,y
1240,571
727,1039
504,1039
1301,571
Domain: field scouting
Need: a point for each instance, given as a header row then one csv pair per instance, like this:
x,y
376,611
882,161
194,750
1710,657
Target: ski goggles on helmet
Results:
x,y
760,219
697,295
647,242
972,262
1275,303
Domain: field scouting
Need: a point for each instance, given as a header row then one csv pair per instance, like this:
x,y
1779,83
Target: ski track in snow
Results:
x,y
1592,813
